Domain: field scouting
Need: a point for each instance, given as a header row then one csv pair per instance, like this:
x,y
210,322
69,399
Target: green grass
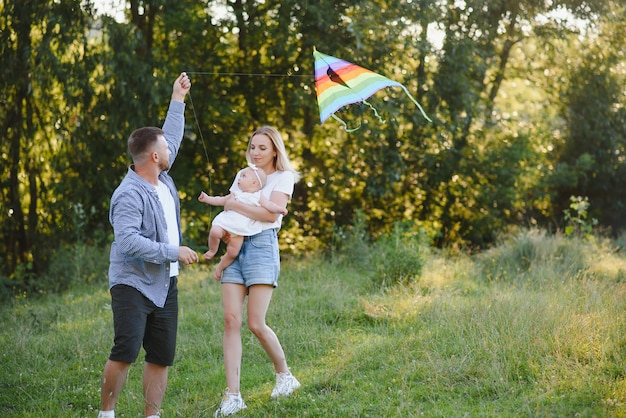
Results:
x,y
532,328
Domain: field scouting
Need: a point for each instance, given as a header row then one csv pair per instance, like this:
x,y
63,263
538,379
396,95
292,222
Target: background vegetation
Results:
x,y
379,312
527,101
532,327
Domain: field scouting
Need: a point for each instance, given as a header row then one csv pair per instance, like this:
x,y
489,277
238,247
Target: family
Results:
x,y
147,252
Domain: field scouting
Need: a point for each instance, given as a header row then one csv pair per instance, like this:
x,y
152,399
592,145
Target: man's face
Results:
x,y
163,152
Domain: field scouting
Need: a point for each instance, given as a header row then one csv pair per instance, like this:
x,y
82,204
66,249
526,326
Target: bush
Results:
x,y
350,245
400,255
533,257
71,265
395,257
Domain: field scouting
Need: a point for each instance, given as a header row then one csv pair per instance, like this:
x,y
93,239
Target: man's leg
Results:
x,y
160,345
113,379
154,385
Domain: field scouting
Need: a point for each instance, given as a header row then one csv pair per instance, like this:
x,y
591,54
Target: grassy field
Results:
x,y
532,328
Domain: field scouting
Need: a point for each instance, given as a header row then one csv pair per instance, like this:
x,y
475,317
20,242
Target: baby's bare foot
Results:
x,y
209,255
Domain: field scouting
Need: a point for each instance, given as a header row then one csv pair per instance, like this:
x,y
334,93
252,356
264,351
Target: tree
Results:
x,y
591,159
42,44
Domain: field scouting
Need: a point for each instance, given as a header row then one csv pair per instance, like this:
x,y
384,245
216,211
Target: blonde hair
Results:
x,y
281,161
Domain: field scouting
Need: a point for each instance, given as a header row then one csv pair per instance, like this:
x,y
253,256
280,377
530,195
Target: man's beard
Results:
x,y
164,166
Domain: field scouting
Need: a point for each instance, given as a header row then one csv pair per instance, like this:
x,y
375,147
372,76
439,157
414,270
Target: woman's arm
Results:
x,y
258,213
271,206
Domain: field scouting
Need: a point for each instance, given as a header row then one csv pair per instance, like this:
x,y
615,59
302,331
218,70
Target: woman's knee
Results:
x,y
257,327
232,321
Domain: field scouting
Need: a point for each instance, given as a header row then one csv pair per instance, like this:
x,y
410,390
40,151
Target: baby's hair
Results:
x,y
260,175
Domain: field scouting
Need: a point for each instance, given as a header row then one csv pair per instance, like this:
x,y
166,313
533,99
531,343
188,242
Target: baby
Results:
x,y
231,226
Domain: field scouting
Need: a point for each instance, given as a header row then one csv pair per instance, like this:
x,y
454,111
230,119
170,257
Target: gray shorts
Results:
x,y
258,261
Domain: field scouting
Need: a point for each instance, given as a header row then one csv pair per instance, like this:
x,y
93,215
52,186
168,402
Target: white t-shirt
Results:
x,y
279,181
169,210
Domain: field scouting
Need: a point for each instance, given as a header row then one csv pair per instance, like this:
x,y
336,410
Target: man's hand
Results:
x,y
181,87
187,256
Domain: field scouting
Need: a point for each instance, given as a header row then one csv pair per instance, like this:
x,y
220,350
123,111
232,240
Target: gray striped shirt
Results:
x,y
141,253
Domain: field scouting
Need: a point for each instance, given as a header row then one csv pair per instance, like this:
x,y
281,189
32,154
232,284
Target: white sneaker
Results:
x,y
286,383
231,404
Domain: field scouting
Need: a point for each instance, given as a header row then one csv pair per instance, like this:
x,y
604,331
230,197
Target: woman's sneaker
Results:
x,y
286,383
231,404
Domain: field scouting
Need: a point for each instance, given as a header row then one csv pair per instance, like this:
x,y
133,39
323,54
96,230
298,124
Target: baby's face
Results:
x,y
248,181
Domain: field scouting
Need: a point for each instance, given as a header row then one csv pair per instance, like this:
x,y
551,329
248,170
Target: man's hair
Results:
x,y
142,140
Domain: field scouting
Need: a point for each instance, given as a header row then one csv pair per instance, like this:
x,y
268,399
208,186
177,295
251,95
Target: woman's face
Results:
x,y
262,152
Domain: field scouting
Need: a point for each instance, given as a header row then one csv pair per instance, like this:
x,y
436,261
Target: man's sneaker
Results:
x,y
231,404
286,383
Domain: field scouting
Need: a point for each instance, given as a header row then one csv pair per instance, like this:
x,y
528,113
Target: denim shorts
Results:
x,y
137,321
258,261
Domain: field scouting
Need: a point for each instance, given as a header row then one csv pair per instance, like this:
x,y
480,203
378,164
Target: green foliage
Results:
x,y
73,265
350,244
395,257
399,255
534,258
590,161
576,218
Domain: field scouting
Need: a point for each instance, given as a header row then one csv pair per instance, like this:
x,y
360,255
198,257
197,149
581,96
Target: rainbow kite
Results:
x,y
339,83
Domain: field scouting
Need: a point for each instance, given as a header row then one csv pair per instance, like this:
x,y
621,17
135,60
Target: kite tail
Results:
x,y
416,103
345,125
383,121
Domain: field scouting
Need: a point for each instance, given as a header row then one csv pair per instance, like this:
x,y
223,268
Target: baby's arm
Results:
x,y
213,200
271,206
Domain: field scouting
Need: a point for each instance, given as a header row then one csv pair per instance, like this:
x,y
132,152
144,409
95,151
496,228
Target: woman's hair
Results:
x,y
281,161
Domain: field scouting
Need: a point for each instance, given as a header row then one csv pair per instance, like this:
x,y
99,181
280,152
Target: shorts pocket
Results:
x,y
262,240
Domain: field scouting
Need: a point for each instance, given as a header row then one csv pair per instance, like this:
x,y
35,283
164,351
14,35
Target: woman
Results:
x,y
255,271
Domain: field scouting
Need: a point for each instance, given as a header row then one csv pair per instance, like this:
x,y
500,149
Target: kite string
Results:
x,y
206,153
251,74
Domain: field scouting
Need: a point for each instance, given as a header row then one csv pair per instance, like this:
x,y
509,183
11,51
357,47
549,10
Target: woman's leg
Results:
x,y
259,298
233,296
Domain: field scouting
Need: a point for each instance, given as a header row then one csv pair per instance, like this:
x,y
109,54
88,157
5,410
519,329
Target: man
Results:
x,y
144,260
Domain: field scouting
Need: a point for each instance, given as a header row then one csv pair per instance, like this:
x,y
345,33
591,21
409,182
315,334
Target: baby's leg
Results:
x,y
216,233
232,251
